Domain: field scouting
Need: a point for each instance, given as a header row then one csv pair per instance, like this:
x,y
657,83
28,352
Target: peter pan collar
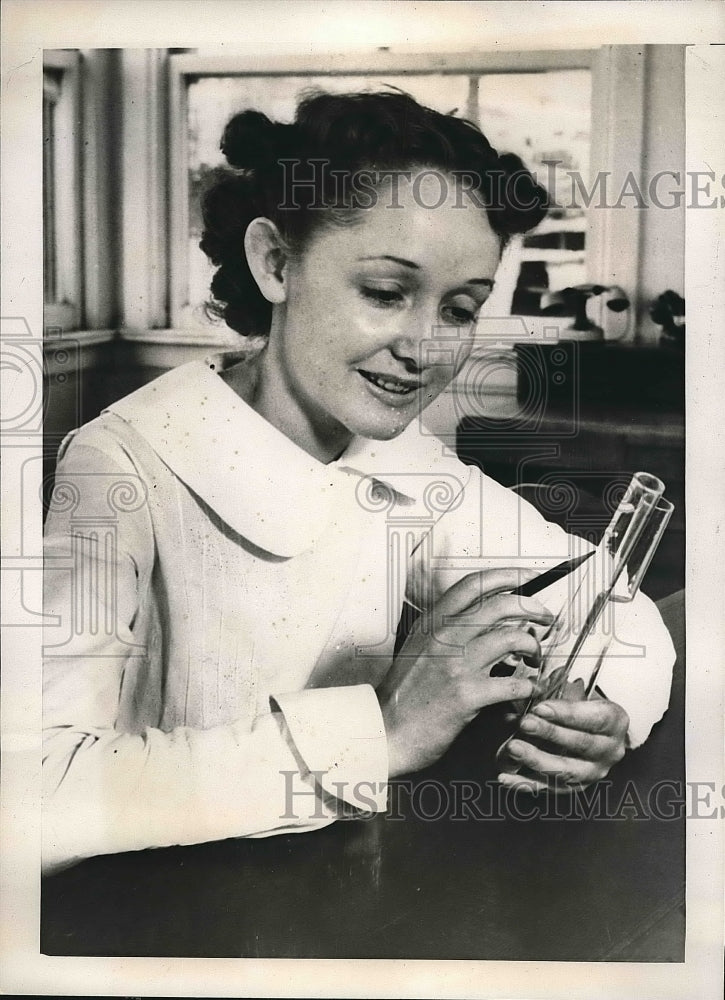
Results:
x,y
263,485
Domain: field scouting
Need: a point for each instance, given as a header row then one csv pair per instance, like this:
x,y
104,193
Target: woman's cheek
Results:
x,y
443,378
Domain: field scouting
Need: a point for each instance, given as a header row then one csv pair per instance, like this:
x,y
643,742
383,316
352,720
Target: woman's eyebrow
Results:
x,y
396,260
416,267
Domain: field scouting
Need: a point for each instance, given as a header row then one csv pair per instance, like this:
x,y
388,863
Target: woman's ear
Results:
x,y
267,258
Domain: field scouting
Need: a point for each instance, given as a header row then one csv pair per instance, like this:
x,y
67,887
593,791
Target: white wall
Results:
x,y
305,27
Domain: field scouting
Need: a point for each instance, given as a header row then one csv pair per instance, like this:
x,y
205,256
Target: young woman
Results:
x,y
224,575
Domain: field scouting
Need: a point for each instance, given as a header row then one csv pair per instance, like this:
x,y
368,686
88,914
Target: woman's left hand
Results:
x,y
584,740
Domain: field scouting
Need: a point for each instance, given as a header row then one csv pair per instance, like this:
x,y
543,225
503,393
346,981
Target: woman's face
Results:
x,y
378,318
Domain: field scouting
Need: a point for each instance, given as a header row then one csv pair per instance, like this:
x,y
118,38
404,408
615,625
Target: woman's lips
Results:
x,y
391,384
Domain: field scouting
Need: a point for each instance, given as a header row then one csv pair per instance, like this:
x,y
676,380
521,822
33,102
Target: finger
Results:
x,y
568,771
520,782
484,651
458,640
458,634
485,691
484,583
603,717
491,609
571,742
512,664
544,631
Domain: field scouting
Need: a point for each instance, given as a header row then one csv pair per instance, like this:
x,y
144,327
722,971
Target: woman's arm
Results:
x,y
108,790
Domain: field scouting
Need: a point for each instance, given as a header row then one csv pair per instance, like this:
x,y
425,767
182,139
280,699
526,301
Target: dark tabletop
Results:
x,y
483,877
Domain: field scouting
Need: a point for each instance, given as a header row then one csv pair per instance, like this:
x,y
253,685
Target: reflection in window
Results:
x,y
542,116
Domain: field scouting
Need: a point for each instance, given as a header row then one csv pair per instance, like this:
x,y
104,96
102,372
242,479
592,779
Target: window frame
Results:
x,y
130,178
184,68
92,250
65,313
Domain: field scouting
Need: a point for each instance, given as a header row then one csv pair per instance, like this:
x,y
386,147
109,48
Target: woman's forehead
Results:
x,y
419,217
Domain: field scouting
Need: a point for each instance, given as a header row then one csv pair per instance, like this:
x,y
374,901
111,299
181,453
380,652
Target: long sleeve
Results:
x,y
108,790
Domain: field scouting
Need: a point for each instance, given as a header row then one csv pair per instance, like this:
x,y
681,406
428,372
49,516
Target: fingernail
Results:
x,y
515,748
545,711
529,724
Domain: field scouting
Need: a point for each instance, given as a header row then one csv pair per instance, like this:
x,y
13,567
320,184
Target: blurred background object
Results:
x,y
668,311
574,301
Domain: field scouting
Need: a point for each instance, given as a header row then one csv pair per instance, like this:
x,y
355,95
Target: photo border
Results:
x,y
32,25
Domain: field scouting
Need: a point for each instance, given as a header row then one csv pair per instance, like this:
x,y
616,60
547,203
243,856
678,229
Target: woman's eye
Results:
x,y
383,297
458,315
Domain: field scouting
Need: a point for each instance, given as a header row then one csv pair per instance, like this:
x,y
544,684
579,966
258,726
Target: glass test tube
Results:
x,y
630,541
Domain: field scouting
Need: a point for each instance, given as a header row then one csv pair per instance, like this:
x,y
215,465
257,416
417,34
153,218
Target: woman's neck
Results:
x,y
254,380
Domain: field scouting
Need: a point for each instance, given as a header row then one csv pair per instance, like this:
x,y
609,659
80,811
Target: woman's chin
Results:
x,y
384,429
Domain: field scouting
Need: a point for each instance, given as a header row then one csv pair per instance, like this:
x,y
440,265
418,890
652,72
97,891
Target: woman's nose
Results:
x,y
409,352
422,343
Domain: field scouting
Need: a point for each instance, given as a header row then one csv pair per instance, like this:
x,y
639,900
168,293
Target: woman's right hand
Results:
x,y
441,679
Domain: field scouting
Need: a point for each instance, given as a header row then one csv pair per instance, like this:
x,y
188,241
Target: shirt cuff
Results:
x,y
340,736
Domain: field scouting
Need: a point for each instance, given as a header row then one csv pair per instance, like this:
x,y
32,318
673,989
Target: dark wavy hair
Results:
x,y
338,136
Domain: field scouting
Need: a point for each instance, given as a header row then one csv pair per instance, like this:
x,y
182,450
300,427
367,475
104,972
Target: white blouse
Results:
x,y
225,606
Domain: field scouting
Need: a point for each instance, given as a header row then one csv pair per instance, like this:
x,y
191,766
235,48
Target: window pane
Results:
x,y
213,100
542,117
